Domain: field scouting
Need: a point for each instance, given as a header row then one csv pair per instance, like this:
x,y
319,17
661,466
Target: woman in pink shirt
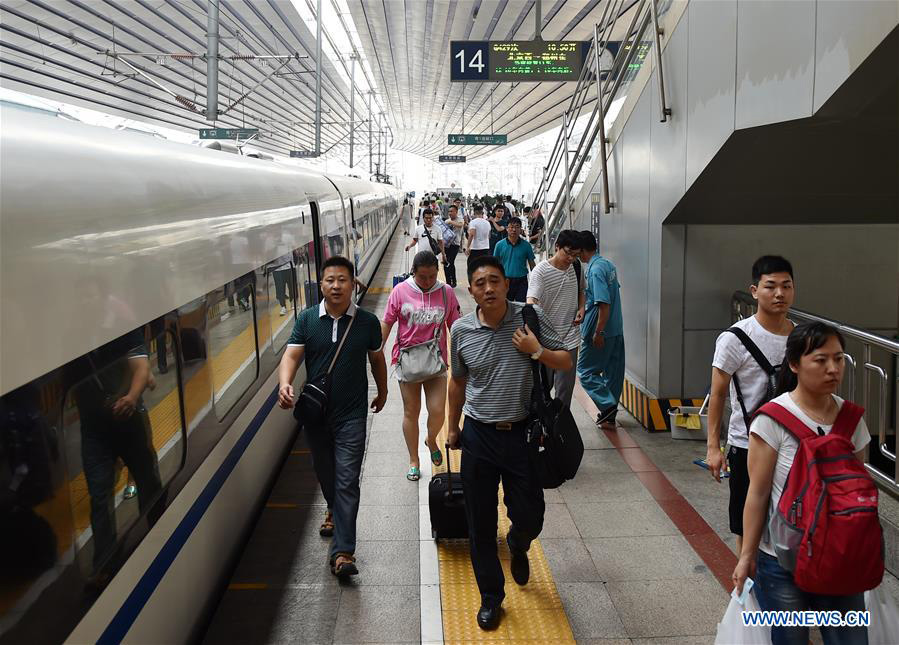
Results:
x,y
422,305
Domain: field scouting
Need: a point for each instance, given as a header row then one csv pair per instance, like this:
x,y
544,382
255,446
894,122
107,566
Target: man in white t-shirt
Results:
x,y
555,287
510,207
478,235
428,237
737,374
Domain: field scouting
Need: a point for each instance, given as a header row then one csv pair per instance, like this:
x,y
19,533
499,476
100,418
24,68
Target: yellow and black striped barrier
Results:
x,y
650,412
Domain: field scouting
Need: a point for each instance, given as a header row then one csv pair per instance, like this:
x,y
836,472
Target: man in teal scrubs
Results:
x,y
600,366
517,255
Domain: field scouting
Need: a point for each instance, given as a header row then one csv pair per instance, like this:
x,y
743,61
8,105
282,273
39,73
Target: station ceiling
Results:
x,y
407,44
60,49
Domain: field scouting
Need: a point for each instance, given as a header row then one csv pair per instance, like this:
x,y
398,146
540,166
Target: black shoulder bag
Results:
x,y
554,440
435,248
771,373
312,404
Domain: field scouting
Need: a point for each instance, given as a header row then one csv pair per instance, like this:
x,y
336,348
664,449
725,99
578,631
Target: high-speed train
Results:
x,y
148,291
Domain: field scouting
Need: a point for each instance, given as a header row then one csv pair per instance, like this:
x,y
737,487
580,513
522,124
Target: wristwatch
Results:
x,y
600,332
536,355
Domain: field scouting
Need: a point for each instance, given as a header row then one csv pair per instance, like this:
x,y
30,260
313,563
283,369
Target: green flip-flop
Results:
x,y
436,456
414,474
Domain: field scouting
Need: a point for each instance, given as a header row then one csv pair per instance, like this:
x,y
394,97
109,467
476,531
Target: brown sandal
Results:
x,y
344,565
327,527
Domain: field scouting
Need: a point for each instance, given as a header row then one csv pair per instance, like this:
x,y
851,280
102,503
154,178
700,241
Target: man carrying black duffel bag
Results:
x,y
553,436
491,355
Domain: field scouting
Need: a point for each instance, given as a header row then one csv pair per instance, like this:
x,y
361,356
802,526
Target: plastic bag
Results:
x,y
884,626
731,630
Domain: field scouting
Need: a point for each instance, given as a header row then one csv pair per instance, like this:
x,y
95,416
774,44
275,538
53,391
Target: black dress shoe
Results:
x,y
521,568
488,617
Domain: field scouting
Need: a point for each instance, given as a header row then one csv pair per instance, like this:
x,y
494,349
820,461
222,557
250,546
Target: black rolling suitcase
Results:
x,y
447,504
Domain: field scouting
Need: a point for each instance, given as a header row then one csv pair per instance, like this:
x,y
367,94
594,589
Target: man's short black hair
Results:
x,y
768,264
527,209
514,220
569,239
339,261
485,261
478,208
427,211
588,241
498,207
454,206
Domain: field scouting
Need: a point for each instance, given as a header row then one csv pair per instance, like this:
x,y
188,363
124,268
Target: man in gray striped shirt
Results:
x,y
491,354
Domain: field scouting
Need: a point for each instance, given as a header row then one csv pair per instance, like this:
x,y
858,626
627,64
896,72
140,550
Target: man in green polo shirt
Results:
x,y
516,254
338,447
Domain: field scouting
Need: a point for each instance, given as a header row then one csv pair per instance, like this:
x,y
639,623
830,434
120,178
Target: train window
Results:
x,y
123,438
282,300
35,516
234,359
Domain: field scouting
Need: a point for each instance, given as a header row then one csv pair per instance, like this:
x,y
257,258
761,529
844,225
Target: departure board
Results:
x,y
517,60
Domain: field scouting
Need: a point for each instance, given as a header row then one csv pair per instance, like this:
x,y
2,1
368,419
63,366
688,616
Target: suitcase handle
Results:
x,y
449,470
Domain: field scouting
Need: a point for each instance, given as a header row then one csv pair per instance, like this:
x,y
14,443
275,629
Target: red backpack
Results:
x,y
826,529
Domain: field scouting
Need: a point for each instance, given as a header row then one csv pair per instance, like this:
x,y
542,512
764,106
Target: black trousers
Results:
x,y
476,253
450,267
488,457
518,289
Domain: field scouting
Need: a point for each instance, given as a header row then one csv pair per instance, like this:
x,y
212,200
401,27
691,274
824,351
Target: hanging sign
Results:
x,y
517,60
452,159
477,139
228,133
302,154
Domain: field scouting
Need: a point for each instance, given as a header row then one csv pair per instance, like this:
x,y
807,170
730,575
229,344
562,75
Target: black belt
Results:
x,y
504,426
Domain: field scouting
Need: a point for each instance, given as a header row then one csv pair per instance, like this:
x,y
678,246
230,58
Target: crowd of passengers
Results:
x,y
484,374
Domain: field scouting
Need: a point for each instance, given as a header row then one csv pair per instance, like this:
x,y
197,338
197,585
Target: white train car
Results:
x,y
148,290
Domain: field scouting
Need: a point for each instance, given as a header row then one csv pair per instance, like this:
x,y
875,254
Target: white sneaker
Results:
x,y
283,311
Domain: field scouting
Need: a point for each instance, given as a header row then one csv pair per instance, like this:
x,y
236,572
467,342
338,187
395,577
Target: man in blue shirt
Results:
x,y
517,255
600,365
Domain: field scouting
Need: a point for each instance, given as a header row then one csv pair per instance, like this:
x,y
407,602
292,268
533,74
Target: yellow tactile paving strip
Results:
x,y
532,613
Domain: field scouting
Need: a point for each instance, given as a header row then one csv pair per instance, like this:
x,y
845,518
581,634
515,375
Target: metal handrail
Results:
x,y
646,13
743,305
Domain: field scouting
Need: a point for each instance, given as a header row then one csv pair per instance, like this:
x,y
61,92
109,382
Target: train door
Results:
x,y
355,236
315,258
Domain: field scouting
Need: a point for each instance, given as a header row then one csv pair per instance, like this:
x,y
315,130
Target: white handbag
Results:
x,y
422,362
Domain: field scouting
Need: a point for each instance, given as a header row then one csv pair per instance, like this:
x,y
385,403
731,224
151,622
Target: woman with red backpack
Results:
x,y
812,536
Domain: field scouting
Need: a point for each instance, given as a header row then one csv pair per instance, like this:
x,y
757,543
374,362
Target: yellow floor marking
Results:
x,y
247,586
380,289
299,452
533,613
281,505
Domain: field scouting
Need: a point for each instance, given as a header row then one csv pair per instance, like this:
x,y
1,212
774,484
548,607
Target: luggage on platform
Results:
x,y
447,504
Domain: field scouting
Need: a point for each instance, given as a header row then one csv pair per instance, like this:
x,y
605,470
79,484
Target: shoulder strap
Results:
x,y
847,419
529,315
787,419
577,272
541,383
440,324
753,350
342,339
